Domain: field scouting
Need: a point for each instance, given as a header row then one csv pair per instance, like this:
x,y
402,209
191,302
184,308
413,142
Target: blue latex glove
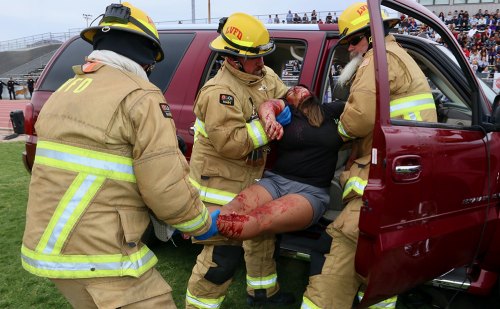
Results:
x,y
285,117
213,228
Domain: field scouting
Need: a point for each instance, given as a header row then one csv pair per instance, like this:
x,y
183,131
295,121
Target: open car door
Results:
x,y
428,203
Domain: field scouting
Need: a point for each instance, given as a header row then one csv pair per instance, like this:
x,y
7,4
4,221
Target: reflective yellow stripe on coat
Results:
x,y
355,184
199,128
257,133
410,107
214,196
93,169
308,304
204,303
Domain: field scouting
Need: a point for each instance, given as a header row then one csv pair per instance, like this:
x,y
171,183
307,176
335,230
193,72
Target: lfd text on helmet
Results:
x,y
235,31
362,9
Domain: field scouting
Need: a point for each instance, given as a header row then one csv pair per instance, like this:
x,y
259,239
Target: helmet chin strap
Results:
x,y
235,63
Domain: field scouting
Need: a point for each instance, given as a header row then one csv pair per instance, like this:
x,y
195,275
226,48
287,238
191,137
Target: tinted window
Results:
x,y
61,71
174,45
286,61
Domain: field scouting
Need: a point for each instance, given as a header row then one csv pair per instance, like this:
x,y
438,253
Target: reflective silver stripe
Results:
x,y
411,104
257,133
211,195
88,162
68,211
87,266
204,303
342,131
262,282
200,127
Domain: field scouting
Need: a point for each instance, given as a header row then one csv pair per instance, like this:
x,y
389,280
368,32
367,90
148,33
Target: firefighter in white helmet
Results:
x,y
411,99
107,147
229,154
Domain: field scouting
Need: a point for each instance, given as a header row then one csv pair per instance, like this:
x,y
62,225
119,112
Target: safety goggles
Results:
x,y
355,40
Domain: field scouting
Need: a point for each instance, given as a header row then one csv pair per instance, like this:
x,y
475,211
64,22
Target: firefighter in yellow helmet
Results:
x,y
411,99
229,154
107,154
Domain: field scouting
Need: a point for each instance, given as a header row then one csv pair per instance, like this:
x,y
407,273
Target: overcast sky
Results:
x,y
21,18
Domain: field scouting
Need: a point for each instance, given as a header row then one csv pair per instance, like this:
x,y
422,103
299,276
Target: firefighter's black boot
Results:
x,y
260,298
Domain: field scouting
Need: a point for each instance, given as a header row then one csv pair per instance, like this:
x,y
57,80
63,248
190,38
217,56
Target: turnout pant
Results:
x,y
148,291
338,282
218,262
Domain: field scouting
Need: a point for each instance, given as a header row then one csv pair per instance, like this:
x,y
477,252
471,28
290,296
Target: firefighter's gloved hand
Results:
x,y
213,228
285,117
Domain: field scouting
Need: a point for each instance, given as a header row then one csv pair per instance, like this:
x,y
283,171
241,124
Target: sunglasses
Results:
x,y
355,40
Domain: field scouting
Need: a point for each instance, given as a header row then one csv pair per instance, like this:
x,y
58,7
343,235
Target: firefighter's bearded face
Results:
x,y
252,66
358,45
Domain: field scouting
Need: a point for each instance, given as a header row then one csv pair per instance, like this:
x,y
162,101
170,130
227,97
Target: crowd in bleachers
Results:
x,y
311,18
478,35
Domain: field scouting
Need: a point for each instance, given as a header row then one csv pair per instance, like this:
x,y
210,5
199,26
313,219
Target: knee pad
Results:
x,y
227,259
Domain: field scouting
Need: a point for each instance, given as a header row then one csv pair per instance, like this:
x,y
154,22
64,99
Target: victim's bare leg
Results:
x,y
289,213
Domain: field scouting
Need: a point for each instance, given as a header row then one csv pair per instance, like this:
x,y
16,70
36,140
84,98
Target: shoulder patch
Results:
x,y
226,99
165,110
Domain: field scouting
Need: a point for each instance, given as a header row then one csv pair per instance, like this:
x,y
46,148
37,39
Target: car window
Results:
x,y
60,71
286,61
174,46
451,90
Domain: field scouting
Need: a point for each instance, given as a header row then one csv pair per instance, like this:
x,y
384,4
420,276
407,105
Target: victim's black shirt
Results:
x,y
308,154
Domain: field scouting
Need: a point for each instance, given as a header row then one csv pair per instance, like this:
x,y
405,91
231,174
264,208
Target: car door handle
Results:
x,y
409,169
191,130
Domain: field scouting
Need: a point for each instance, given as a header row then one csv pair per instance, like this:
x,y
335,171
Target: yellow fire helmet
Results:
x,y
356,19
242,35
128,18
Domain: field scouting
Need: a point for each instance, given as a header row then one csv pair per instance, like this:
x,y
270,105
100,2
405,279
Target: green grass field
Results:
x,y
19,289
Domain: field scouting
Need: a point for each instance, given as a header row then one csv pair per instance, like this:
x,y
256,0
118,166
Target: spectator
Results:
x,y
276,19
305,19
31,85
296,19
269,20
329,18
474,55
448,18
335,19
1,88
314,17
466,52
10,86
441,16
289,17
403,21
320,21
412,25
472,32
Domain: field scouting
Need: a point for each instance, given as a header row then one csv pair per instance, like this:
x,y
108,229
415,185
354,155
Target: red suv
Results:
x,y
431,206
